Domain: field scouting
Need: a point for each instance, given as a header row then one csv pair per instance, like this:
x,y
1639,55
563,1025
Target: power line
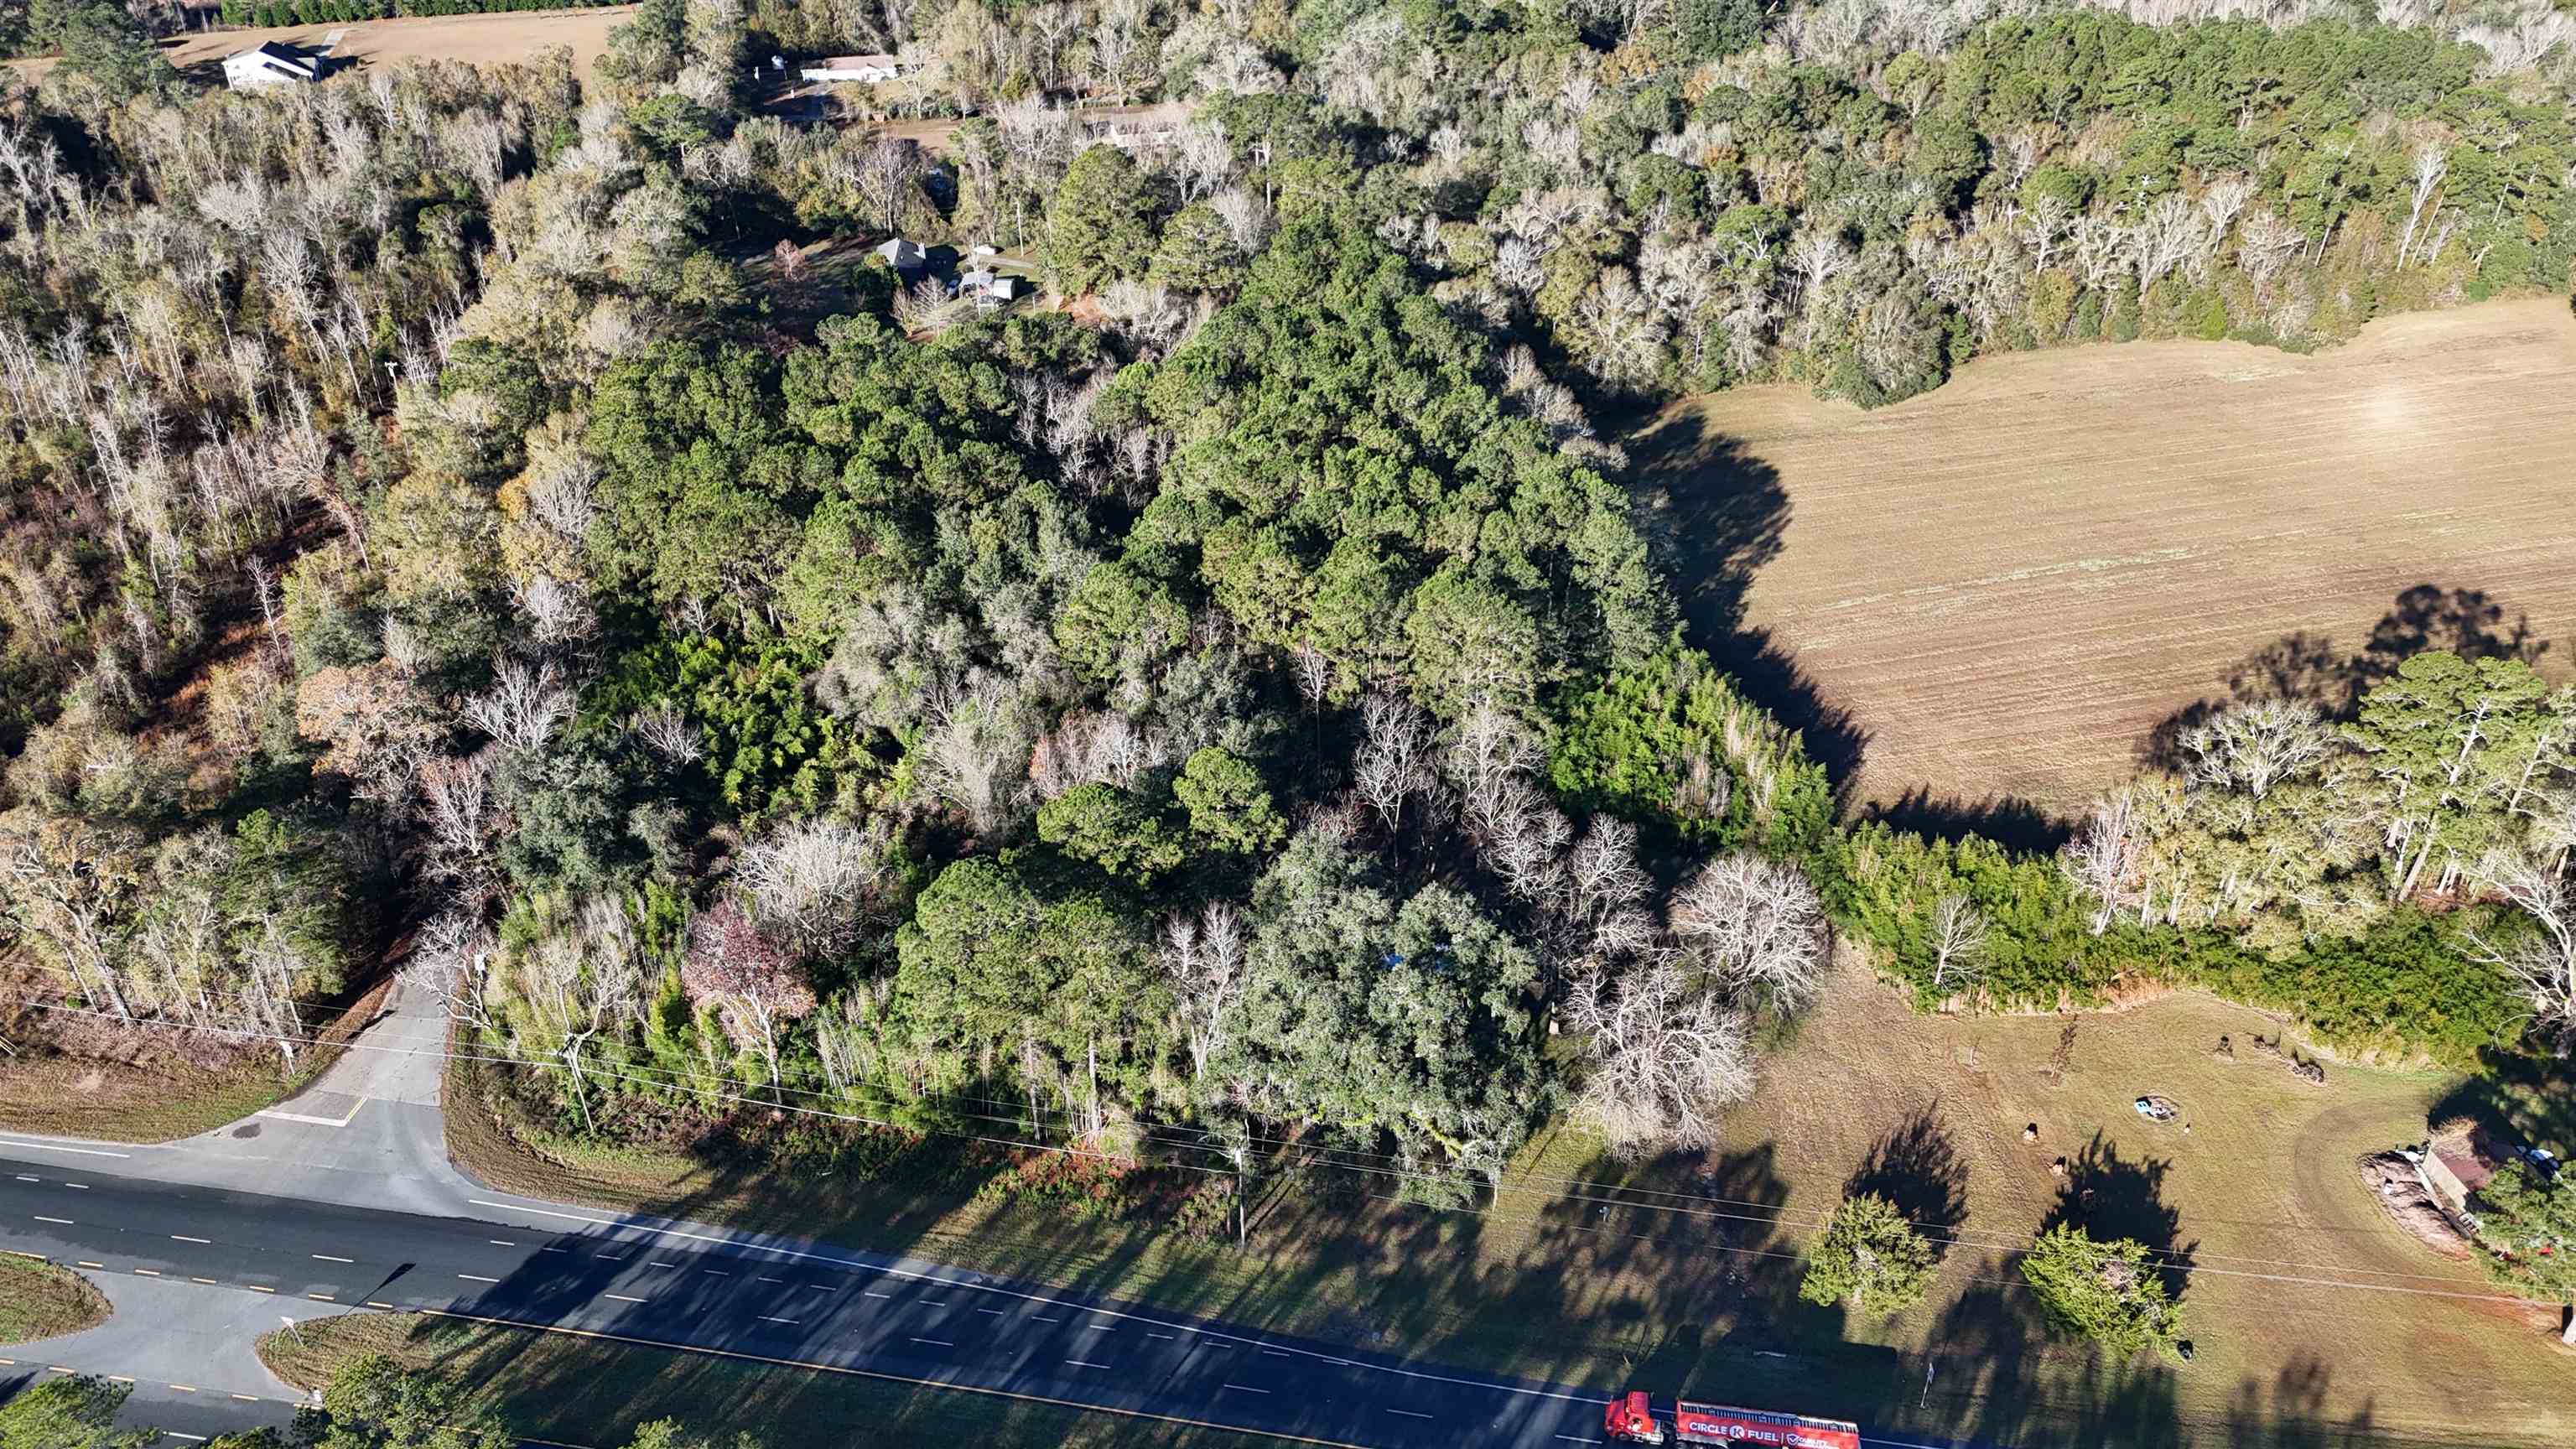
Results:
x,y
1313,1155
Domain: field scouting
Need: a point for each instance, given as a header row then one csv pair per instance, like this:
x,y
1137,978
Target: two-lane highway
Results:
x,y
828,1310
833,1311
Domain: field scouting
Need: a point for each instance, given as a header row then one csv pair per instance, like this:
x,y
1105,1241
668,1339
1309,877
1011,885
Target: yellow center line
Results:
x,y
880,1375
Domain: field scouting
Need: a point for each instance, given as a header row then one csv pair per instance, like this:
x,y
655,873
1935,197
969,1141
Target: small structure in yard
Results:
x,y
2157,1108
2405,1193
864,70
905,256
988,289
269,64
2454,1166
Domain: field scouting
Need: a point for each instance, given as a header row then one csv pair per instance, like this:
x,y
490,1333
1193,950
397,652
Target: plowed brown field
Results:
x,y
2007,583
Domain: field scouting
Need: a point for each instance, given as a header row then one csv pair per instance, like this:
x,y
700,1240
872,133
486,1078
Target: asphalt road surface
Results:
x,y
201,1250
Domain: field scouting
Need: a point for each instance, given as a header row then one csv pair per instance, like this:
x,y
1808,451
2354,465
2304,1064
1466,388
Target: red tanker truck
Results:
x,y
1631,1420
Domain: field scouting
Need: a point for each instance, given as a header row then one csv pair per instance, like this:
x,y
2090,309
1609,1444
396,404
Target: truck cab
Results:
x,y
1631,1421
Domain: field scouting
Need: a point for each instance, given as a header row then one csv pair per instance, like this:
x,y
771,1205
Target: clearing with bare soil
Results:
x,y
2006,584
494,39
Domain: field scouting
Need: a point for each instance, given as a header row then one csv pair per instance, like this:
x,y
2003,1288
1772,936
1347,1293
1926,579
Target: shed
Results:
x,y
2454,1168
269,64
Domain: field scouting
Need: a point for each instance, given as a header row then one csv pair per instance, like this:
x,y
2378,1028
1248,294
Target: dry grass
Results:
x,y
478,39
2009,581
159,1096
41,1300
1699,1290
572,1391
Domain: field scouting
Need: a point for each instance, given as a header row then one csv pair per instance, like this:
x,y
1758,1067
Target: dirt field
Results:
x,y
481,39
2007,583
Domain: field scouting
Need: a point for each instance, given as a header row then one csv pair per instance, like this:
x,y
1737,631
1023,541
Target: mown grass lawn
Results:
x,y
1686,1280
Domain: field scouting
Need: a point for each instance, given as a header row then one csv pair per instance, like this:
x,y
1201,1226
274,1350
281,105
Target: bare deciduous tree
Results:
x,y
1756,926
1203,959
819,883
524,706
2102,857
1664,1059
1959,946
2254,746
2541,965
1394,759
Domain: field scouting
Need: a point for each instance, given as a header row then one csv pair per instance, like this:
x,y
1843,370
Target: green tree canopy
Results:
x,y
2112,1293
1100,226
1870,1258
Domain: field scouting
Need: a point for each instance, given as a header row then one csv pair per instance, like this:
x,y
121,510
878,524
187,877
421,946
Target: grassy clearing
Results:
x,y
577,1391
41,1300
1700,1293
162,1098
2008,582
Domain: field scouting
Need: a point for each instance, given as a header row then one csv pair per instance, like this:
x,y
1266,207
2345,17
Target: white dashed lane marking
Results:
x,y
184,1238
622,1298
327,1258
66,1222
477,1278
936,1342
1246,1389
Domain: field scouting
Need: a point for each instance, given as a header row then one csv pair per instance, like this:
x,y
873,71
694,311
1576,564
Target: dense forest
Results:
x,y
1239,703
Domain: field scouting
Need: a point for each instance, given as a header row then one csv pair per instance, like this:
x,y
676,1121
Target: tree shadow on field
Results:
x,y
2290,1413
2302,665
2007,820
2516,1097
1713,514
2110,1196
1917,1167
1699,1252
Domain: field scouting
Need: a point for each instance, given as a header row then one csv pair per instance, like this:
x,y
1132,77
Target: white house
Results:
x,y
269,64
866,70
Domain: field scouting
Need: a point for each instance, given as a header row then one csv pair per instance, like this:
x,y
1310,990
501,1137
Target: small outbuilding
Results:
x,y
269,64
988,288
905,256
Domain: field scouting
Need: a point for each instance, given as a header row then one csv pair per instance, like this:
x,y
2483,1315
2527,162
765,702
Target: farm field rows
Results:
x,y
2010,581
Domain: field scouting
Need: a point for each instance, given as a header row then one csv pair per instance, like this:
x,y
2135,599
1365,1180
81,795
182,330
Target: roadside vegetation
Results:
x,y
568,1391
45,1300
1210,774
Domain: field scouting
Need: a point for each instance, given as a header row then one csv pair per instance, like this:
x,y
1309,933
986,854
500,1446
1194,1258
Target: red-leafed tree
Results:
x,y
752,982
